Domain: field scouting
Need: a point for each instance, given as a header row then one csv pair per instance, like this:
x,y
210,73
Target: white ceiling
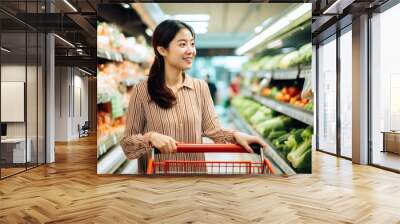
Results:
x,y
230,24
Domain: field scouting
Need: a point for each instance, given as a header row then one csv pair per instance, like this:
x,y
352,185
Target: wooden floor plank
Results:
x,y
70,191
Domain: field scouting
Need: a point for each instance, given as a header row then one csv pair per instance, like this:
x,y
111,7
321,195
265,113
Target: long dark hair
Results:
x,y
164,33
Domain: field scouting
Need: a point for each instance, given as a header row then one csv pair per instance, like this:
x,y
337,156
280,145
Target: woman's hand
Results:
x,y
163,143
245,140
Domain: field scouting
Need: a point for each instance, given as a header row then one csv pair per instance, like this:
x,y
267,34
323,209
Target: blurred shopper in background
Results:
x,y
212,87
234,88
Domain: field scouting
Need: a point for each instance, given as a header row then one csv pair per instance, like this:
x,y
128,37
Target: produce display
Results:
x,y
288,94
111,39
290,138
302,56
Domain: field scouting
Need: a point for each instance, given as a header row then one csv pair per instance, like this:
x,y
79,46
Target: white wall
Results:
x,y
69,85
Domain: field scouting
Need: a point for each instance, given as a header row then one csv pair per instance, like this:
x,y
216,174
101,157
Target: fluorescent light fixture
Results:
x,y
192,17
262,36
149,32
199,26
299,11
64,40
274,28
5,50
70,5
125,5
86,72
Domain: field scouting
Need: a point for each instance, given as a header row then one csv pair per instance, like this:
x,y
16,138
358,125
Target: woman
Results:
x,y
172,107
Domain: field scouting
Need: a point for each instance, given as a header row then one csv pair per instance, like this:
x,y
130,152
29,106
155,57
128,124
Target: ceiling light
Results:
x,y
125,5
199,27
275,28
65,41
192,17
5,50
70,5
149,32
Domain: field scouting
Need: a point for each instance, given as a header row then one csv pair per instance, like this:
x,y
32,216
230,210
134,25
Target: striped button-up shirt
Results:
x,y
192,117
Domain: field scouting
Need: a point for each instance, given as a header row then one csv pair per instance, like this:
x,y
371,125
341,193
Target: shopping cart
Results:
x,y
175,165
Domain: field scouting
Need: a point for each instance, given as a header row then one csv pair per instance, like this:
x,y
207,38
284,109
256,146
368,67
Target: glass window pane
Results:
x,y
31,99
385,84
327,97
13,71
346,94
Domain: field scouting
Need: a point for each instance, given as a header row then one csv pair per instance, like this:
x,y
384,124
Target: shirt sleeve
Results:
x,y
134,142
210,124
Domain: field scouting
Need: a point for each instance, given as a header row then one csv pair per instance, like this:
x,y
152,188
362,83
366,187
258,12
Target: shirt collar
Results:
x,y
188,82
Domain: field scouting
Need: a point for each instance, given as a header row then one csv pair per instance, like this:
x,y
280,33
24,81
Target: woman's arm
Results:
x,y
135,143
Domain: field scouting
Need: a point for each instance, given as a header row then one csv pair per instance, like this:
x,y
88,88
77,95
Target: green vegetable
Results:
x,y
276,134
294,138
278,123
274,92
291,142
295,156
307,133
305,54
303,163
273,63
309,106
261,115
281,140
250,111
290,60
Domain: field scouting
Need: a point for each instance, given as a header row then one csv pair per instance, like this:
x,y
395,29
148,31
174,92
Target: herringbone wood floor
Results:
x,y
70,191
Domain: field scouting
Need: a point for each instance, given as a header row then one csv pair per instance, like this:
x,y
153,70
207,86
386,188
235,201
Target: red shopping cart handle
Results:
x,y
214,148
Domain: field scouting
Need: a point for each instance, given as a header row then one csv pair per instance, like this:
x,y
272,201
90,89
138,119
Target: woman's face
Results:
x,y
181,51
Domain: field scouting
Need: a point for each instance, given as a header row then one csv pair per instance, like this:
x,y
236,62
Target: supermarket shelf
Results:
x,y
297,113
285,74
116,56
271,152
108,142
109,55
129,167
305,72
111,161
